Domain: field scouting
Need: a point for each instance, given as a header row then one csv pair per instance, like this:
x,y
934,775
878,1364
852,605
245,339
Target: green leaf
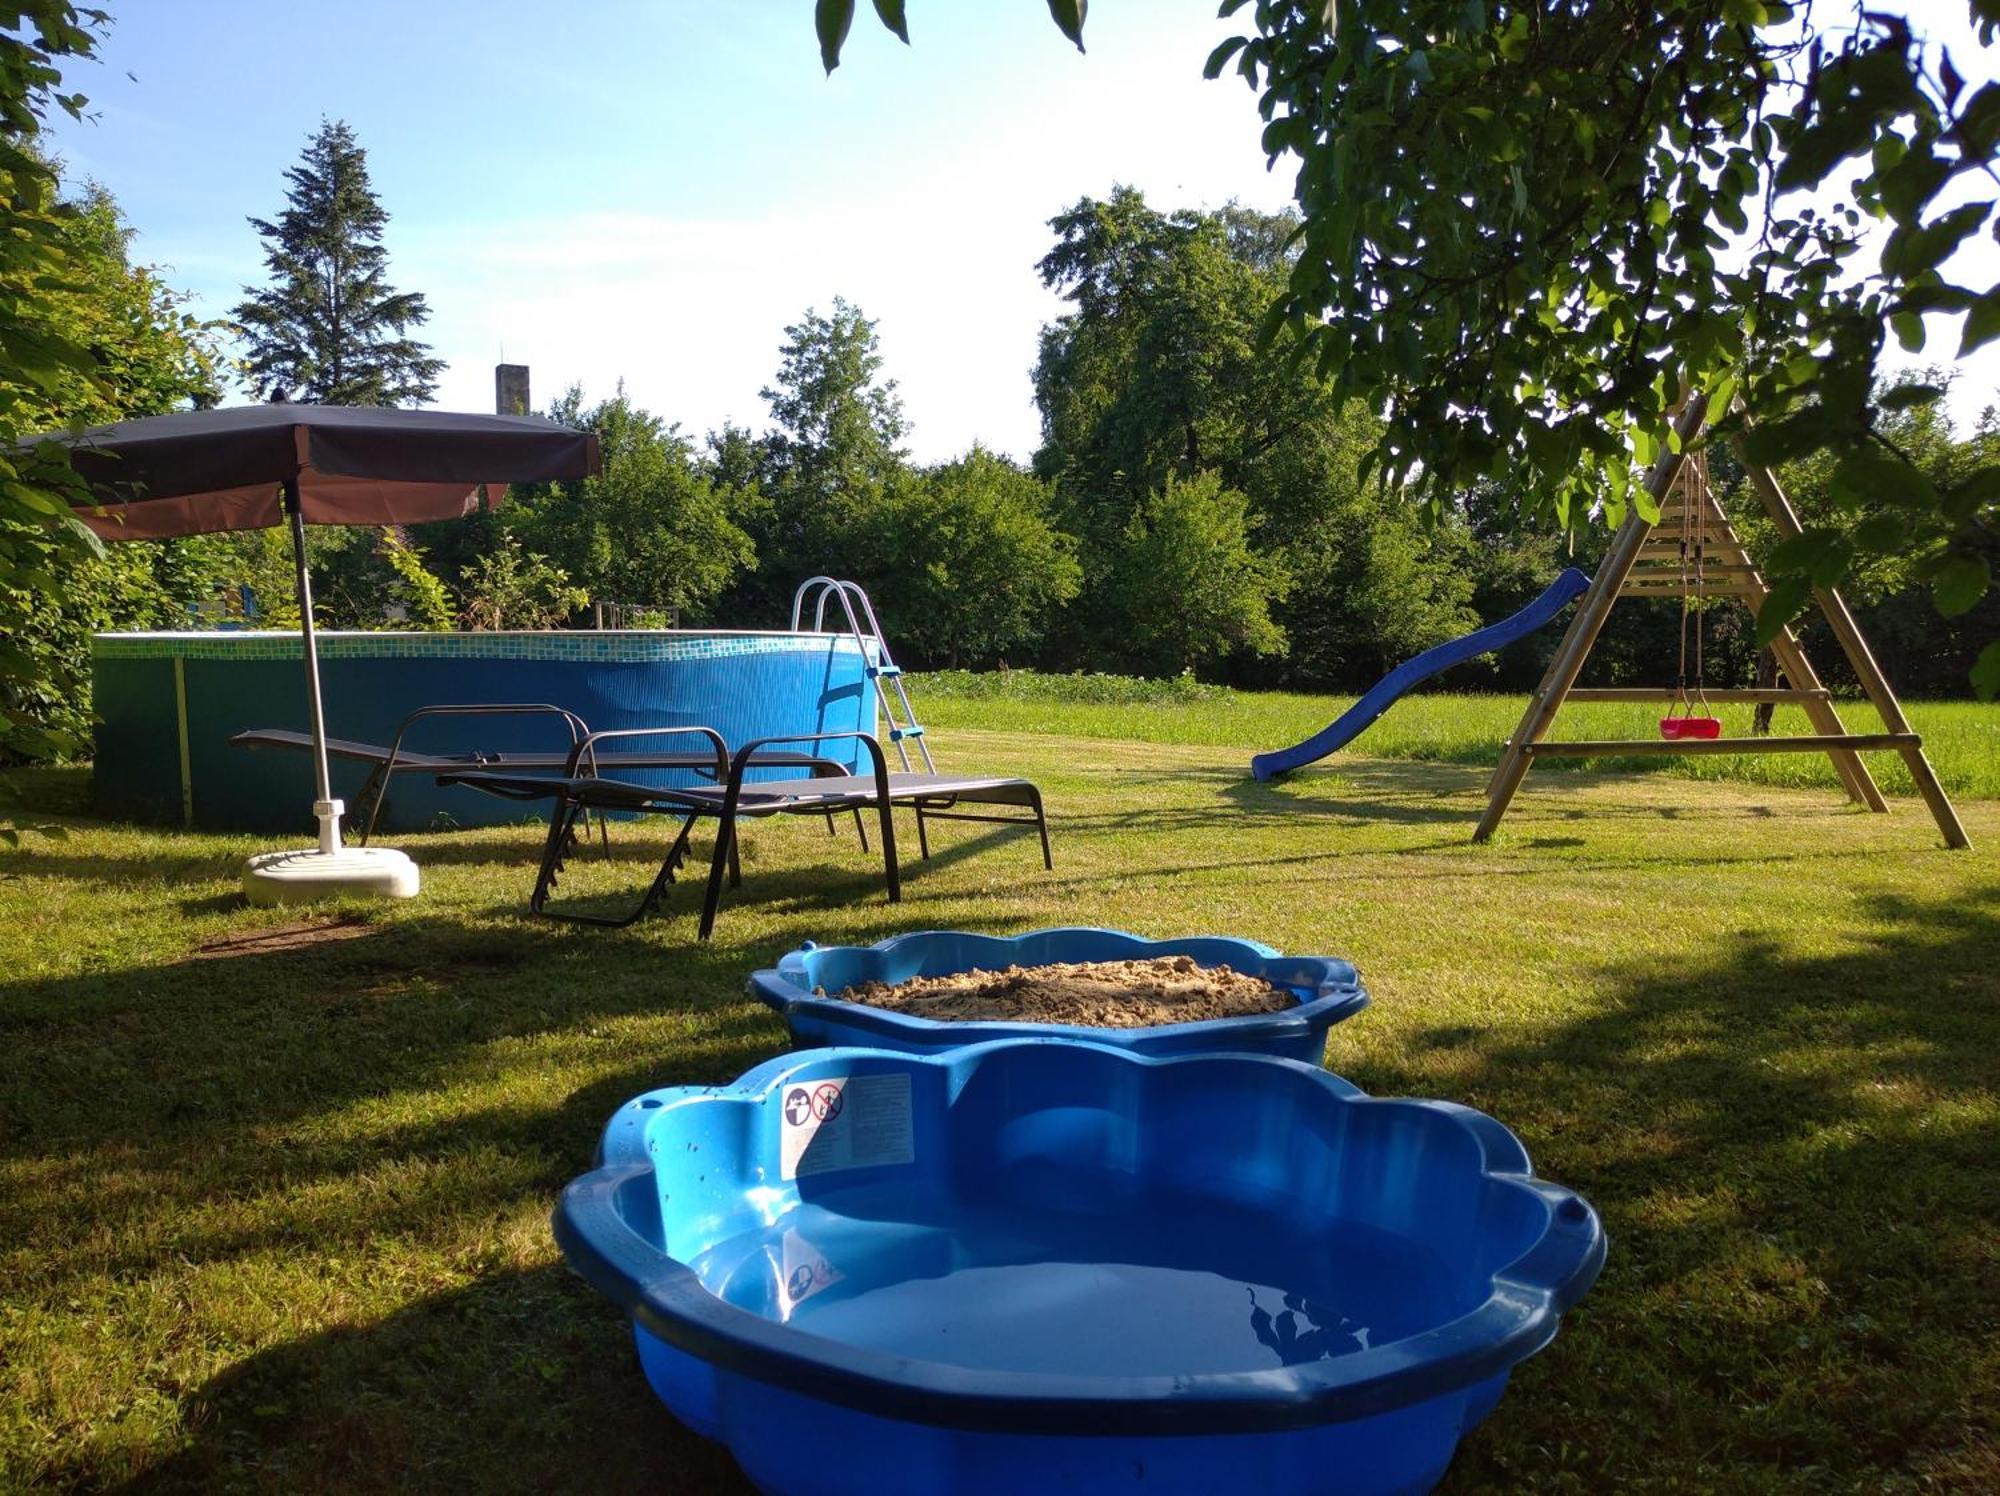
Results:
x,y
1219,58
891,12
1904,396
1069,18
1972,492
1787,599
1958,584
1820,552
1881,534
1979,125
1982,323
831,18
1268,326
1910,252
1845,130
1782,440
1986,672
1909,330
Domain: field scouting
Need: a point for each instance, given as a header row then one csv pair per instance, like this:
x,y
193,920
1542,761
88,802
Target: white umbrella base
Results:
x,y
272,878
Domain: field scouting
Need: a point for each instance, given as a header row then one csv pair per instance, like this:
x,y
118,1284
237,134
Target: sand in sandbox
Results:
x,y
1100,994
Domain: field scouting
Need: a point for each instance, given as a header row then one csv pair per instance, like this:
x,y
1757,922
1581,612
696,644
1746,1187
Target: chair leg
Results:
x,y
1042,825
677,853
562,827
725,836
889,868
562,831
923,836
374,790
861,828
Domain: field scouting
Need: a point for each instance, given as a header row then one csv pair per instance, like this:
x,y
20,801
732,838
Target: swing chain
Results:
x,y
1699,461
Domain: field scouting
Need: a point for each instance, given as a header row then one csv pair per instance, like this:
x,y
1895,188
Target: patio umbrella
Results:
x,y
254,467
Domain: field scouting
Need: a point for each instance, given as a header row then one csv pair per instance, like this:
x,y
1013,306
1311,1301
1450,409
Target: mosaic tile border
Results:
x,y
605,646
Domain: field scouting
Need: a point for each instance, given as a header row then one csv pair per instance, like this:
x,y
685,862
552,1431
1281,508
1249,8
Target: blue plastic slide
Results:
x,y
1384,694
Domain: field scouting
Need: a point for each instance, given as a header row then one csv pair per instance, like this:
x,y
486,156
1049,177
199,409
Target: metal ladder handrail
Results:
x,y
882,667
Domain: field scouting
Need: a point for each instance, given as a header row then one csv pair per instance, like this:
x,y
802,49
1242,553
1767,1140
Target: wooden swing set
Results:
x,y
1693,553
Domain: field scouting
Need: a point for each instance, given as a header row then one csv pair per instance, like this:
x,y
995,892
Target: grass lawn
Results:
x,y
1962,738
273,1215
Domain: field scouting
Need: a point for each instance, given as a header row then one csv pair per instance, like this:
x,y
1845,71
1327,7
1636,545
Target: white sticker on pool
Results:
x,y
845,1122
802,1271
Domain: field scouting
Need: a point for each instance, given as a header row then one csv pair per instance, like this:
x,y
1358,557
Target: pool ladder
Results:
x,y
881,666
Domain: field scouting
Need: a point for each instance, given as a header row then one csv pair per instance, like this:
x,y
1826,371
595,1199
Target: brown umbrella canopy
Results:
x,y
200,471
266,465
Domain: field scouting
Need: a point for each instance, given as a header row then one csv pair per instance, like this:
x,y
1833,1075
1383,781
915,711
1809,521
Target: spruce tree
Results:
x,y
328,328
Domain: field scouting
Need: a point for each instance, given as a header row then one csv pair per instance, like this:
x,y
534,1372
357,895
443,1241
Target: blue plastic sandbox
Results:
x,y
1041,1265
1327,990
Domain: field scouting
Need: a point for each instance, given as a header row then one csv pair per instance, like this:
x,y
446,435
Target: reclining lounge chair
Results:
x,y
931,796
386,763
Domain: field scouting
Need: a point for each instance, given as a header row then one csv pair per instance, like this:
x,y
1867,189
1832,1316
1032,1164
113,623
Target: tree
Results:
x,y
1363,600
1889,588
329,328
364,577
146,355
37,357
1191,589
966,565
508,588
651,528
1155,373
834,452
1531,227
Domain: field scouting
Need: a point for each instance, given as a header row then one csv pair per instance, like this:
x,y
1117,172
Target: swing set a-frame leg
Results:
x,y
1881,695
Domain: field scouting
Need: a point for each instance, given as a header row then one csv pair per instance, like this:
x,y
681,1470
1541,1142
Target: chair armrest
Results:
x,y
745,755
585,752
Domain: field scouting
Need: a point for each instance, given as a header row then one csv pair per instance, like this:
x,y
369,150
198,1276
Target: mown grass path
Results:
x,y
273,1216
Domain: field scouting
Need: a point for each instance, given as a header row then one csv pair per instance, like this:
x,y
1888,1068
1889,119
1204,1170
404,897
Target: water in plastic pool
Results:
x,y
1204,1289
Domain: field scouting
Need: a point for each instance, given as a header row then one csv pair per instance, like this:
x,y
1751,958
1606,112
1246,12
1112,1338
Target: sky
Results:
x,y
651,190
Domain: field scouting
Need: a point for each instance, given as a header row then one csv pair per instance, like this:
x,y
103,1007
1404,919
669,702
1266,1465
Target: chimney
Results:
x,y
510,389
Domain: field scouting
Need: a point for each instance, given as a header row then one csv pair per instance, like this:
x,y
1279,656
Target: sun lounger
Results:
x,y
386,763
930,796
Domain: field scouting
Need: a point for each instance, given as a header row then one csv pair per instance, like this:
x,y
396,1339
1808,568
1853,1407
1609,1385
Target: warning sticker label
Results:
x,y
803,1271
845,1122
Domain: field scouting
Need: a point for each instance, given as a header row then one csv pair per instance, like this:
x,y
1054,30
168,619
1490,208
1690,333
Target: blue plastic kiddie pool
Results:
x,y
1327,991
1040,1265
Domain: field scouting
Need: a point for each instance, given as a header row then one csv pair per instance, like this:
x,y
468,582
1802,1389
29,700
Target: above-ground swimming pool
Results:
x,y
168,704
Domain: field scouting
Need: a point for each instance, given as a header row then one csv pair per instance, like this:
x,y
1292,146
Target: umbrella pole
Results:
x,y
326,809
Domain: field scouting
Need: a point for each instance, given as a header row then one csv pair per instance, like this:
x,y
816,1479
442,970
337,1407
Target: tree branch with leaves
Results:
x,y
1529,226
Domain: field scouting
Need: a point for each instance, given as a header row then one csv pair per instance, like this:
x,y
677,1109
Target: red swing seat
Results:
x,y
1675,728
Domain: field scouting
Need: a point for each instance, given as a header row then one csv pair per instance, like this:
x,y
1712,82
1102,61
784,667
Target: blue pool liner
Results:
x,y
1327,990
800,1310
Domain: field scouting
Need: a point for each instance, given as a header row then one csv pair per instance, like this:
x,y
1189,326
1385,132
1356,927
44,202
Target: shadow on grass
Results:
x,y
1796,1157
521,1381
1798,1162
206,1122
851,881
